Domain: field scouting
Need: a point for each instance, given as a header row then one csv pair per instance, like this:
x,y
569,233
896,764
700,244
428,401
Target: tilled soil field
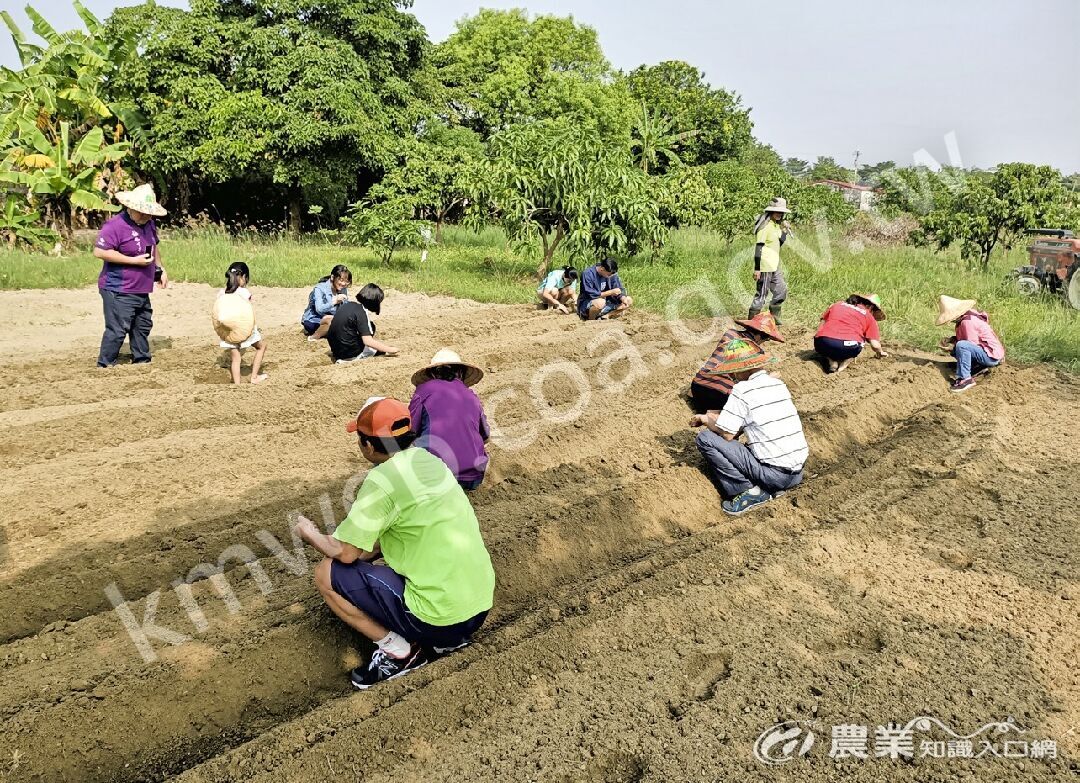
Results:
x,y
928,567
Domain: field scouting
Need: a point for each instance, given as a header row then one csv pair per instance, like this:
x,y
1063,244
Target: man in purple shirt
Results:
x,y
448,417
128,247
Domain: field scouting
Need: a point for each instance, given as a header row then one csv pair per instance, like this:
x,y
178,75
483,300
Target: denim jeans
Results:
x,y
969,357
126,315
734,468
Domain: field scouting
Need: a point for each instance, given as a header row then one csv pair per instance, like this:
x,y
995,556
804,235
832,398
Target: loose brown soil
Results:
x,y
929,565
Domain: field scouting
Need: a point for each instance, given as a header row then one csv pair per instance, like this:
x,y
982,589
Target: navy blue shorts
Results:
x,y
837,350
379,592
311,324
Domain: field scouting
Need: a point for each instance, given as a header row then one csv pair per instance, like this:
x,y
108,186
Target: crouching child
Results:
x,y
437,584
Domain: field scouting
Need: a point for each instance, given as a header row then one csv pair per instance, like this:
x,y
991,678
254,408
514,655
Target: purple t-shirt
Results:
x,y
449,421
122,233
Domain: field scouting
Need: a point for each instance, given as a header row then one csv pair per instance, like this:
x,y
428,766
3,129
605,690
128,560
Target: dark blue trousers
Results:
x,y
126,315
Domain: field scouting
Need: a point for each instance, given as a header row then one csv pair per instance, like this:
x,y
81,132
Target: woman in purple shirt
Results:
x,y
128,247
448,418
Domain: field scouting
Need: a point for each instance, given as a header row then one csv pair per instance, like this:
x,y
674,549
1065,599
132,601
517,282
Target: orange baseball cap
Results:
x,y
382,417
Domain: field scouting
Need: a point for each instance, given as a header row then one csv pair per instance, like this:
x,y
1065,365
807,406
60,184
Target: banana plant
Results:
x,y
20,226
56,176
56,122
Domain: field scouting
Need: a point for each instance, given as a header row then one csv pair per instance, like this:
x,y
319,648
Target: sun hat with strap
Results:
x,y
142,199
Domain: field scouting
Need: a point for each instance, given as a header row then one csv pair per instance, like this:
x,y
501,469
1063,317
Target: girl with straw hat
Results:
x,y
128,248
448,418
845,327
975,345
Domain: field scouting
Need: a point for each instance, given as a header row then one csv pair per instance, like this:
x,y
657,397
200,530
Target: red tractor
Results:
x,y
1055,261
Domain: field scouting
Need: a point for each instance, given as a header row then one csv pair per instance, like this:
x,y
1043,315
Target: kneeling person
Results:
x,y
438,583
759,406
351,335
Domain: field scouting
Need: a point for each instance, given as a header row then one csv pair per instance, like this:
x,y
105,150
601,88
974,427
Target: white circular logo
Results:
x,y
782,743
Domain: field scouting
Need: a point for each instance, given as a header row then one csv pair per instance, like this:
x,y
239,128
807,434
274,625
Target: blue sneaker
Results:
x,y
745,501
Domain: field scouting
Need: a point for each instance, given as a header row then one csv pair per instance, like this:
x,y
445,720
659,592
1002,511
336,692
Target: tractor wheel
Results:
x,y
1072,290
1028,285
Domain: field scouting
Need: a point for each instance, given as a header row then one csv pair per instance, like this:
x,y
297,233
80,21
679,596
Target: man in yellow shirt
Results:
x,y
771,233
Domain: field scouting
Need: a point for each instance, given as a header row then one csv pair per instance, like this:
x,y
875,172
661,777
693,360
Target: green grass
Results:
x,y
483,267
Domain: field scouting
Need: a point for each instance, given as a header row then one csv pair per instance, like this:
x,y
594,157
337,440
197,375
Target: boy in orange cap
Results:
x,y
437,585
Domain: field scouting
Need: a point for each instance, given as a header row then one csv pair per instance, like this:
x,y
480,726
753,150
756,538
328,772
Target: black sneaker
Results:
x,y
382,667
442,652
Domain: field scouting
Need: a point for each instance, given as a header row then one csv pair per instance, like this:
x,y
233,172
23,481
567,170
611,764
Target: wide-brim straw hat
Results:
x,y
233,317
950,309
142,199
740,356
447,358
778,205
875,302
764,323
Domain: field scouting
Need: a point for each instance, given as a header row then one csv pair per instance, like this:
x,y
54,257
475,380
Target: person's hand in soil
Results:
x,y
563,310
699,420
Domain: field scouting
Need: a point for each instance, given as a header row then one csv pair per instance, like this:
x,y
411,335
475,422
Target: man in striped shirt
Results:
x,y
760,406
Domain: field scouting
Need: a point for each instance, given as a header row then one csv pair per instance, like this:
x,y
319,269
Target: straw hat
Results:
x,y
778,205
950,309
764,323
447,358
142,199
741,355
233,317
875,302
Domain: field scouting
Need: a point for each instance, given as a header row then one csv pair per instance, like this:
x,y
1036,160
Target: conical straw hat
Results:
x,y
445,357
950,309
234,318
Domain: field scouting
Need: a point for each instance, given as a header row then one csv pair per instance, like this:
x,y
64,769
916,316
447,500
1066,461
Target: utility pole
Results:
x,y
856,180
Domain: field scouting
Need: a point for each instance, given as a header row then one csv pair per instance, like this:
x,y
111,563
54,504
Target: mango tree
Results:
x,y
559,182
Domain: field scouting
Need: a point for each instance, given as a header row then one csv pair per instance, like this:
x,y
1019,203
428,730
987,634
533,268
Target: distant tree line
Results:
x,y
314,113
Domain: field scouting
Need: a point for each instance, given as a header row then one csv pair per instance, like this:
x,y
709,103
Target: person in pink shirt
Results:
x,y
975,345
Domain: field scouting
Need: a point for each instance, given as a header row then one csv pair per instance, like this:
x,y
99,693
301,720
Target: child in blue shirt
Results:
x,y
559,289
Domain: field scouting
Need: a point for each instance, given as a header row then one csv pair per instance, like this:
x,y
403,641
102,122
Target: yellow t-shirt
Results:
x,y
769,236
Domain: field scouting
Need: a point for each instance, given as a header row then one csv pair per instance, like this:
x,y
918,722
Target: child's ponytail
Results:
x,y
236,270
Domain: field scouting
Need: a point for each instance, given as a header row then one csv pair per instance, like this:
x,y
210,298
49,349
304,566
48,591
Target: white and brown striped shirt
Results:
x,y
761,407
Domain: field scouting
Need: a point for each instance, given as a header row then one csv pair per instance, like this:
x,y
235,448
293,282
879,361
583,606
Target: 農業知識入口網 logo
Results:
x,y
783,743
921,738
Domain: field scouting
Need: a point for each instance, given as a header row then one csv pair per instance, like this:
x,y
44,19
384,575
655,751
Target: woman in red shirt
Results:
x,y
845,327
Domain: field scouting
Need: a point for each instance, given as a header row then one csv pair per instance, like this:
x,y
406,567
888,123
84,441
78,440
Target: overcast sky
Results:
x,y
833,76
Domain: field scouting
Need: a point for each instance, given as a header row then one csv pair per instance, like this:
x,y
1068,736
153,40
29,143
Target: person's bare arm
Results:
x,y
164,280
330,546
876,346
709,420
116,257
380,346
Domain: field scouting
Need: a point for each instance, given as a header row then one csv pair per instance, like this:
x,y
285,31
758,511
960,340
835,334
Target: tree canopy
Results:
x,y
304,97
501,68
560,182
678,91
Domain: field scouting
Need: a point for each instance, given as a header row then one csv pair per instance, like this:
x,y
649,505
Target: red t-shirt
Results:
x,y
844,321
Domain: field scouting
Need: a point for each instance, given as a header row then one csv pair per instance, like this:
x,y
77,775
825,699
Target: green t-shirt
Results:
x,y
412,505
769,236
